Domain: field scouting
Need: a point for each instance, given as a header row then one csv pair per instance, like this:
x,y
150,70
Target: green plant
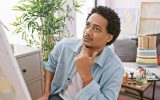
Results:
x,y
42,22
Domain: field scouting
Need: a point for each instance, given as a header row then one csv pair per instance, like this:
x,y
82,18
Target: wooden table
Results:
x,y
132,85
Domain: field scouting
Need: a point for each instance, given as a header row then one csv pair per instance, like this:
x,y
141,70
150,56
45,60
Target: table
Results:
x,y
132,67
132,85
154,80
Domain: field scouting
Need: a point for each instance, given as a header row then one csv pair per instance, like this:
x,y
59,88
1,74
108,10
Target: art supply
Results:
x,y
126,78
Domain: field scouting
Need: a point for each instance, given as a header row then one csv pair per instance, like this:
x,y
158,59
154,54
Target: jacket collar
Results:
x,y
101,59
77,46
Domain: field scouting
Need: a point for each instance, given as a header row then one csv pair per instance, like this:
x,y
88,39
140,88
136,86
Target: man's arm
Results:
x,y
48,79
49,68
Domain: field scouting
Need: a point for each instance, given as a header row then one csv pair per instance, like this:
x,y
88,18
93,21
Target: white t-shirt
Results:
x,y
73,88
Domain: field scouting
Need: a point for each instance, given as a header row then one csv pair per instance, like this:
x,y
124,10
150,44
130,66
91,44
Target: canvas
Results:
x,y
12,85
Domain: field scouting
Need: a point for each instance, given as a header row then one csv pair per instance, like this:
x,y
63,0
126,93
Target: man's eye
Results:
x,y
87,25
97,29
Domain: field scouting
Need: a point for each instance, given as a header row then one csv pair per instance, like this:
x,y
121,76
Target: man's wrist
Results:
x,y
47,93
85,83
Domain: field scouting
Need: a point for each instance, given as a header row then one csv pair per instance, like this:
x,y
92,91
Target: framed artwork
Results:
x,y
149,21
129,20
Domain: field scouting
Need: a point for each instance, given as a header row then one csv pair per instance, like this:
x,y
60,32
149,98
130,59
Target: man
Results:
x,y
86,69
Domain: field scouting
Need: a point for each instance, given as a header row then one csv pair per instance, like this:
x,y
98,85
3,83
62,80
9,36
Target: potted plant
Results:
x,y
42,22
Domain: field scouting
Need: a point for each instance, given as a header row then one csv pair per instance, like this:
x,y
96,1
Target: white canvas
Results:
x,y
12,85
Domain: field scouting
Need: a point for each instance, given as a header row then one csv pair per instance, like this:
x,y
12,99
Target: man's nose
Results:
x,y
89,31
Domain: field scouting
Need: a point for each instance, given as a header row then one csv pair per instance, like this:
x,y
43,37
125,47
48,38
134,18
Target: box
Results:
x,y
152,42
147,41
143,42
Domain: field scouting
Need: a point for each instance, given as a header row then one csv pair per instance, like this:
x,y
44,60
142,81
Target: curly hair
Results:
x,y
113,19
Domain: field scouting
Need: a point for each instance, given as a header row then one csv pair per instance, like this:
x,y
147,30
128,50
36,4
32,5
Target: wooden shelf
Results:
x,y
148,1
143,18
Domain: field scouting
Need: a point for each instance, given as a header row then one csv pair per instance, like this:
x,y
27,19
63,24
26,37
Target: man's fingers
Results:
x,y
84,51
94,56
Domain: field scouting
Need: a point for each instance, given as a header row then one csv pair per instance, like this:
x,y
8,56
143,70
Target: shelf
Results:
x,y
148,1
143,18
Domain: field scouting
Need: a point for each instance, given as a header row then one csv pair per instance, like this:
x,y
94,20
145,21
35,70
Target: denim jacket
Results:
x,y
107,71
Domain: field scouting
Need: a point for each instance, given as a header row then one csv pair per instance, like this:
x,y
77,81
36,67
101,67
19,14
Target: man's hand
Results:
x,y
84,64
44,97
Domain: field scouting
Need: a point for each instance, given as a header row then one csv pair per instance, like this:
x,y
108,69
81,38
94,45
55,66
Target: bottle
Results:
x,y
126,78
145,77
6,89
139,80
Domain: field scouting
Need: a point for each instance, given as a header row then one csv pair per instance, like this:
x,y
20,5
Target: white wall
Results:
x,y
124,3
81,17
7,17
71,25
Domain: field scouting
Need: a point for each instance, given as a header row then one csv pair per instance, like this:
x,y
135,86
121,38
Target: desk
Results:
x,y
131,67
132,85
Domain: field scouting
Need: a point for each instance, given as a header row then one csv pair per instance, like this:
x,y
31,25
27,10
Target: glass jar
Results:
x,y
139,80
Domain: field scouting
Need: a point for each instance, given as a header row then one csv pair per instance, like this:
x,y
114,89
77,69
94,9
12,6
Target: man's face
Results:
x,y
95,34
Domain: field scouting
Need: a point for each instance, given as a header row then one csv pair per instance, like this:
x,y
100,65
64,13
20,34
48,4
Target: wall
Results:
x,y
81,17
7,17
71,25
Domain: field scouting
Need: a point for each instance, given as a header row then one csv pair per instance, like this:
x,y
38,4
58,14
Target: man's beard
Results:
x,y
90,40
89,46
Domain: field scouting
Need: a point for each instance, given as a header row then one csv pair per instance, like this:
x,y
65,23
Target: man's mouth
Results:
x,y
87,38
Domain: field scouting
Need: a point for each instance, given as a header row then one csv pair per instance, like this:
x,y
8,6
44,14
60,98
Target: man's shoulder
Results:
x,y
69,43
114,59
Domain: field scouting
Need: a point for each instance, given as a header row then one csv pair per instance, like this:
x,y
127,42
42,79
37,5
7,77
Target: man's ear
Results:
x,y
110,37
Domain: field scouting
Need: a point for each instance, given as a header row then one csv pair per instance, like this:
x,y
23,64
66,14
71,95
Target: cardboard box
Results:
x,y
152,41
143,42
147,41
